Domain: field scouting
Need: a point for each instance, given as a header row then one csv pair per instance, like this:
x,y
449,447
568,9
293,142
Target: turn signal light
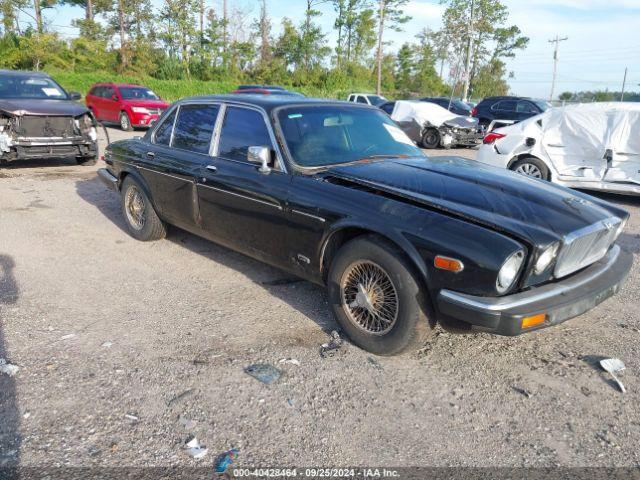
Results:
x,y
449,264
492,137
534,320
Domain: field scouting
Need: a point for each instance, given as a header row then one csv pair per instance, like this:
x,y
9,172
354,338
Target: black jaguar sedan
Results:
x,y
337,194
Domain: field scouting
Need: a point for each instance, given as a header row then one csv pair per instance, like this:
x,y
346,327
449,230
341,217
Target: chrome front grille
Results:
x,y
586,246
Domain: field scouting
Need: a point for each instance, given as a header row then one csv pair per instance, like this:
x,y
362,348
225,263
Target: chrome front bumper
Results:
x,y
559,301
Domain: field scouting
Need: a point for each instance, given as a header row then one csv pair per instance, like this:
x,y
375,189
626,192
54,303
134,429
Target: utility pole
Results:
x,y
624,84
556,40
379,54
467,75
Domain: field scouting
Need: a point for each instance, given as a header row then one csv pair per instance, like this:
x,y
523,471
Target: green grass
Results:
x,y
172,90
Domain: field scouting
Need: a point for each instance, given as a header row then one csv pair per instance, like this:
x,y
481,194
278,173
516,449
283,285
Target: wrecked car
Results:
x,y
432,126
594,146
337,194
40,120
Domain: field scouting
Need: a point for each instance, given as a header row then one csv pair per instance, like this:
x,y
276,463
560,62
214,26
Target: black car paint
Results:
x,y
291,218
455,106
486,110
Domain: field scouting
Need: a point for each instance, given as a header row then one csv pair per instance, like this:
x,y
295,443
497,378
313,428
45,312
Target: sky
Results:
x,y
603,38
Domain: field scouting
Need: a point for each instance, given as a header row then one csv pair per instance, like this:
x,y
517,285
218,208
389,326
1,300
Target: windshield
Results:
x,y
542,105
321,136
376,100
461,105
30,86
137,93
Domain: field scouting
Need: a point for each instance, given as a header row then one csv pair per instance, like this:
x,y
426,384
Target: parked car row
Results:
x,y
339,194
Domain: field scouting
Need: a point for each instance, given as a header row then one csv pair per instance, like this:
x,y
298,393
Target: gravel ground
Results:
x,y
127,348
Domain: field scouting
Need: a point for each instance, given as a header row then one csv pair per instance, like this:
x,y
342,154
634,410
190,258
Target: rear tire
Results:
x,y
531,167
376,298
143,223
125,122
431,138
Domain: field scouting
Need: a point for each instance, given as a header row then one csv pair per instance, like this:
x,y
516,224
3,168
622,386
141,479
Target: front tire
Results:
x,y
141,218
125,122
431,138
531,167
376,298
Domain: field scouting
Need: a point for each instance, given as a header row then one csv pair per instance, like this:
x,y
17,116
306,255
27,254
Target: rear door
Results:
x,y
110,107
240,206
180,148
505,110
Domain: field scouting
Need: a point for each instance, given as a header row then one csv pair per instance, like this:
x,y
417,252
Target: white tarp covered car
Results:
x,y
595,146
432,126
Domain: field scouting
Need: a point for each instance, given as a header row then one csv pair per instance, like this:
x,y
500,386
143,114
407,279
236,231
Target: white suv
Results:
x,y
367,98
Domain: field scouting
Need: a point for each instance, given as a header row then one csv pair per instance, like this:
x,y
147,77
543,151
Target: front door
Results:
x,y
240,206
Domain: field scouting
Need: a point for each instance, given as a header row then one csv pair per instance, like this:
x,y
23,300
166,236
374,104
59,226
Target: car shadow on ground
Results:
x,y
278,283
10,439
38,163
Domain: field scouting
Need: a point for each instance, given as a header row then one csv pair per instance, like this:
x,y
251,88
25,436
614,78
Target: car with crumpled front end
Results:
x,y
40,120
336,193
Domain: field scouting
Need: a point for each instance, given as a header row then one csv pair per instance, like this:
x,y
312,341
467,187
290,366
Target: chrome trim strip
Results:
x,y
305,214
241,196
165,174
498,304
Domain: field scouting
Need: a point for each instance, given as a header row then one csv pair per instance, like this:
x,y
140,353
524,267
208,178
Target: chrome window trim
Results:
x,y
168,113
276,146
305,214
241,196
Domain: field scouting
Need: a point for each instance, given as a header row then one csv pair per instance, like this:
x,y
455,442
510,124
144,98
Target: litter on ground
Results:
x,y
194,449
224,460
8,368
263,372
613,366
328,349
291,361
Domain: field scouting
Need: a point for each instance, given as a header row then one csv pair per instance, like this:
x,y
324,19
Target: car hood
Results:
x,y
30,106
146,103
532,210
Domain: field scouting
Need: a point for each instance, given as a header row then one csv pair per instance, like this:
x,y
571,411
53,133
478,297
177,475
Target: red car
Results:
x,y
128,105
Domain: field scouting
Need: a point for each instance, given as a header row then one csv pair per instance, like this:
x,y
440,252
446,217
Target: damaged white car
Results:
x,y
594,146
432,126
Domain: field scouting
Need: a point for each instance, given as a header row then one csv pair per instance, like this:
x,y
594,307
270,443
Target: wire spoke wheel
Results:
x,y
369,297
135,208
530,170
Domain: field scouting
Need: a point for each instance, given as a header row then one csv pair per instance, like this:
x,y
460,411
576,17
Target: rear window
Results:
x,y
194,127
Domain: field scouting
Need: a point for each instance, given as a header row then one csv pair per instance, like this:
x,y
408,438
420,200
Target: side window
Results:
x,y
108,93
350,98
162,136
362,99
526,107
194,127
505,106
242,128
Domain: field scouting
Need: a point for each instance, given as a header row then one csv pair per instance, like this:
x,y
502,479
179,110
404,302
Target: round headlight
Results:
x,y
509,271
545,259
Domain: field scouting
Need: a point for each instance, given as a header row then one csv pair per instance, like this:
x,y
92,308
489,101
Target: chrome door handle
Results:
x,y
151,155
212,168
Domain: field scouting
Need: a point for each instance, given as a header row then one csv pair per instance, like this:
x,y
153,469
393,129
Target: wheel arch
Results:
x,y
340,234
522,156
128,171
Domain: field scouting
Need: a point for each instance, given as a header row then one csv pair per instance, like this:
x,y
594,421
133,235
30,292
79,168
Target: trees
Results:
x,y
477,28
391,16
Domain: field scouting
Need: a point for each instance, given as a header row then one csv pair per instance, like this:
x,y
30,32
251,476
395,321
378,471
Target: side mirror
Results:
x,y
114,98
262,156
75,96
